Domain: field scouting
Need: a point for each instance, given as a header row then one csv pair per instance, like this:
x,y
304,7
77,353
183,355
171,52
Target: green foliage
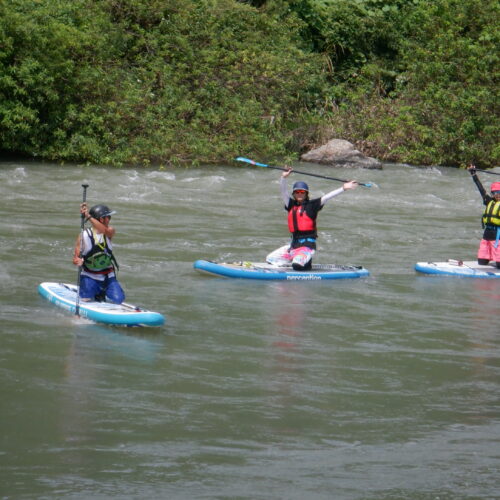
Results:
x,y
163,81
119,81
354,36
36,65
437,102
452,65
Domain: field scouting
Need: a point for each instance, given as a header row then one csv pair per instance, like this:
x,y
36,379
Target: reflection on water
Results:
x,y
286,343
483,335
289,315
89,408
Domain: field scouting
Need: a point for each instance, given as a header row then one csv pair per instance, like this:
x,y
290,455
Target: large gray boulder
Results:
x,y
340,153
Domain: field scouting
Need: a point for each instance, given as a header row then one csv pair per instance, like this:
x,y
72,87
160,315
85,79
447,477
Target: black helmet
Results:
x,y
98,211
300,185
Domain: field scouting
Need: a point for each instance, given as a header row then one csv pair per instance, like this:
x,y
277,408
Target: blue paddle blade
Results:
x,y
252,162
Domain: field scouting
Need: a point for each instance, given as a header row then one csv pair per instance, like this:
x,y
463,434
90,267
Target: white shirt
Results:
x,y
87,246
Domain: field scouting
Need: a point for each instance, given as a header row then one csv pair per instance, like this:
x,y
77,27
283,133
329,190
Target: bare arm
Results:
x,y
109,231
77,260
100,227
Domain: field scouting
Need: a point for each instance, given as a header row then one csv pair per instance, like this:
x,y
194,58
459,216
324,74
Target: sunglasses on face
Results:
x,y
300,191
495,192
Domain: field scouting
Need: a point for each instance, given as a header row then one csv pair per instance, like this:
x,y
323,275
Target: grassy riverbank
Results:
x,y
155,81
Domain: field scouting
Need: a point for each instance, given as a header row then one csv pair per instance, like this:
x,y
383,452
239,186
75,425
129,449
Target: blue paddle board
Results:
x,y
64,296
465,269
265,271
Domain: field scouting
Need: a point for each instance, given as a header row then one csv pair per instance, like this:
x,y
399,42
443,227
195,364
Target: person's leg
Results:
x,y
114,291
302,258
495,253
280,257
484,252
89,288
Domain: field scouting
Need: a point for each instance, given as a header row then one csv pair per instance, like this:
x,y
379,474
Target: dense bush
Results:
x,y
118,81
140,81
412,81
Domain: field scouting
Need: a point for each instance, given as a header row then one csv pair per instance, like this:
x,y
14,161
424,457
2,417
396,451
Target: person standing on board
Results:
x,y
98,279
489,247
302,214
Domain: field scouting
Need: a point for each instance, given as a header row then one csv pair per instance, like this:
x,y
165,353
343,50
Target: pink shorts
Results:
x,y
301,255
286,255
487,250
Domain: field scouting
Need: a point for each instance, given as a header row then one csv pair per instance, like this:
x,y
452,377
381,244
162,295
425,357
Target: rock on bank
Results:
x,y
340,153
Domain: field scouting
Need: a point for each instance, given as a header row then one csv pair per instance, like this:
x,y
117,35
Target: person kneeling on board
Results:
x,y
489,247
302,214
98,279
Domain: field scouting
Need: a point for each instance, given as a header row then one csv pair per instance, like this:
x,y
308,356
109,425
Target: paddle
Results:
x,y
252,162
487,171
77,308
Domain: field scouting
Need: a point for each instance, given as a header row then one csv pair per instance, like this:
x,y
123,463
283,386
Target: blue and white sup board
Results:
x,y
265,271
64,296
466,269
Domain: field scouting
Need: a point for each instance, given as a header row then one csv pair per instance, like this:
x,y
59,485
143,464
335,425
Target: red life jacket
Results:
x,y
299,221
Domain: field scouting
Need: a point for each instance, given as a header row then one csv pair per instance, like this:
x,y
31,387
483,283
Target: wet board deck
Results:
x,y
265,271
64,295
466,269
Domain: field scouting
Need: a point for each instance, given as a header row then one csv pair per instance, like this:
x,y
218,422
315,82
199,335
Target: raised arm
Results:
x,y
336,192
477,182
283,185
100,227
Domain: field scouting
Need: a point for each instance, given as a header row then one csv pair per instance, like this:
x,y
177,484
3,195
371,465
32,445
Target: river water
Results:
x,y
379,388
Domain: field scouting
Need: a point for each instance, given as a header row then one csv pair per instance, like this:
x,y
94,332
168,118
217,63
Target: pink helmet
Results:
x,y
495,186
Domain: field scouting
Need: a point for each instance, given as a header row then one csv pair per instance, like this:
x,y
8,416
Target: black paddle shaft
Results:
x,y
82,226
486,171
317,175
84,199
257,164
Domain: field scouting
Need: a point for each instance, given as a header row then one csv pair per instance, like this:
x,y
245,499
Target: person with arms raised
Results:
x,y
489,247
302,214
